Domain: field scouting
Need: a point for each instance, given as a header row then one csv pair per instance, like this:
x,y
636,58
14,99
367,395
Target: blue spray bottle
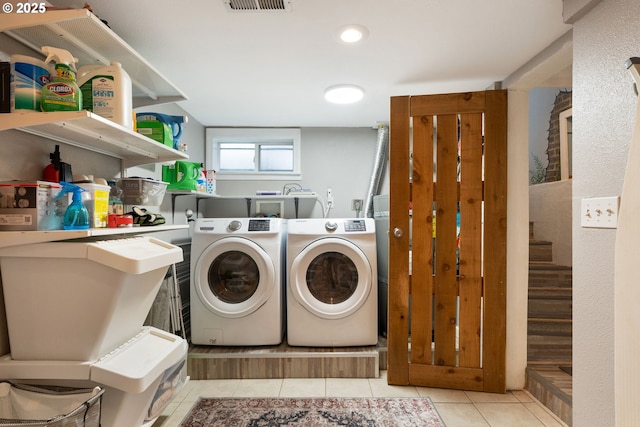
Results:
x,y
76,217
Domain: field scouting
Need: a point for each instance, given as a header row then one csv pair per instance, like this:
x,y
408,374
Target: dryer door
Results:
x,y
234,277
331,278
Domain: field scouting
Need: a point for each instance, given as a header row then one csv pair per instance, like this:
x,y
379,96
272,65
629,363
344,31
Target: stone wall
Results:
x,y
562,102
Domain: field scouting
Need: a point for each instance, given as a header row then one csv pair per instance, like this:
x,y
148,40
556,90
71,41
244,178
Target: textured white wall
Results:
x,y
550,212
604,108
517,239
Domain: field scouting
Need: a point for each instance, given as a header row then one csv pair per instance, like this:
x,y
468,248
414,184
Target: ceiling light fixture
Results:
x,y
353,33
343,94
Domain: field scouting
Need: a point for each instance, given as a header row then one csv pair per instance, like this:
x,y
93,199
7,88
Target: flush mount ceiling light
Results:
x,y
353,33
343,94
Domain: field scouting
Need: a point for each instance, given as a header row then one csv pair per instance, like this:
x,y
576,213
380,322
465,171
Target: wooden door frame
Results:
x,y
492,376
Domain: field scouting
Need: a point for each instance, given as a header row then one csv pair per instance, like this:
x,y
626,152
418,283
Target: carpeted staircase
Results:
x,y
549,329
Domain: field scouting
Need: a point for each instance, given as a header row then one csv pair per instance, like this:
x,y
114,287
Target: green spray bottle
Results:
x,y
62,92
76,217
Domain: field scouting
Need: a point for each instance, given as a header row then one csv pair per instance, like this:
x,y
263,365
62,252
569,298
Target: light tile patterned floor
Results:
x,y
457,408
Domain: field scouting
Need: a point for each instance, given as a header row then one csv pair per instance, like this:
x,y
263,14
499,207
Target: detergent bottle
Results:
x,y
183,177
61,93
174,125
76,217
107,91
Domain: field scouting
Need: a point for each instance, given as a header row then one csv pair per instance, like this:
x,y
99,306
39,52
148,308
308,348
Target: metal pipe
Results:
x,y
378,168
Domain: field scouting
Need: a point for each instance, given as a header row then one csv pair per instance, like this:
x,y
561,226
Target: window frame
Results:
x,y
216,136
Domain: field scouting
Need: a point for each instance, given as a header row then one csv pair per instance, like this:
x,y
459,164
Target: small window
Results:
x,y
236,157
254,153
276,157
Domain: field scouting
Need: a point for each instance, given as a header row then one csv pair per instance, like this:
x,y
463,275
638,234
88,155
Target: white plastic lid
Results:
x,y
135,365
134,255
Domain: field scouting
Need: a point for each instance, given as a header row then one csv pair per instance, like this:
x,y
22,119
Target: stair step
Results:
x,y
550,292
549,327
550,309
548,349
540,250
550,303
551,386
550,275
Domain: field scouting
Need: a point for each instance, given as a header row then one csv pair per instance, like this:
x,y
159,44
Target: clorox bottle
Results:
x,y
106,91
61,93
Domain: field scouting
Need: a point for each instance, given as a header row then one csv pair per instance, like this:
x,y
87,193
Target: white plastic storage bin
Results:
x,y
139,378
142,191
48,406
78,300
96,200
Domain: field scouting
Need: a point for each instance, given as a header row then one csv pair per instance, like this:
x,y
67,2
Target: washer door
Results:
x,y
331,278
234,277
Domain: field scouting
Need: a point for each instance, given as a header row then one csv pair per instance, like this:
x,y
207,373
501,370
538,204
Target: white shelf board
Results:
x,y
92,132
272,196
92,42
15,238
244,197
199,194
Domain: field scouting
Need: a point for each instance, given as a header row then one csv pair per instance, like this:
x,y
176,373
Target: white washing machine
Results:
x,y
237,281
332,290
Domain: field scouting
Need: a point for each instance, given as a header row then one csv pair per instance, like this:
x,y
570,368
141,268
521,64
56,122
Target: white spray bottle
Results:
x,y
61,93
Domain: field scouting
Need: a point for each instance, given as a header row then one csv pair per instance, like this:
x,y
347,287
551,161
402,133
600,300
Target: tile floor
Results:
x,y
457,408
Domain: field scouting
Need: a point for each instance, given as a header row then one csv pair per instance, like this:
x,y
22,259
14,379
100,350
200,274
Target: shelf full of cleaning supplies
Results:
x,y
87,38
15,238
92,132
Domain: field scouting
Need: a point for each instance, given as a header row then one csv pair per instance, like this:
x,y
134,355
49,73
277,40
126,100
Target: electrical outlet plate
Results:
x,y
329,198
599,212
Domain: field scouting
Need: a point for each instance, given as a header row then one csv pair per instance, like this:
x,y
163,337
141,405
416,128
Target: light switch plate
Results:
x,y
599,212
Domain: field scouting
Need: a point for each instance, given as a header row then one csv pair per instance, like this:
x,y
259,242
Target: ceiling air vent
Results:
x,y
258,5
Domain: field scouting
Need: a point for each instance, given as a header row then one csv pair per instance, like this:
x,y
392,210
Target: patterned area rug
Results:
x,y
316,412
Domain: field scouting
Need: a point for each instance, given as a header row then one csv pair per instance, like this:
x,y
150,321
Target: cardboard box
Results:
x,y
30,206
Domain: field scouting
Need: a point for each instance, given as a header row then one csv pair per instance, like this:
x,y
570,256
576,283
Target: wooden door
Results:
x,y
447,248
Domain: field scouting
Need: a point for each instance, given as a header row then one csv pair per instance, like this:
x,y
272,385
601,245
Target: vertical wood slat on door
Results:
x,y
422,241
470,239
446,284
398,304
495,241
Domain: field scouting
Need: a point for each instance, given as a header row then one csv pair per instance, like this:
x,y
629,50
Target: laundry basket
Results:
x,y
49,406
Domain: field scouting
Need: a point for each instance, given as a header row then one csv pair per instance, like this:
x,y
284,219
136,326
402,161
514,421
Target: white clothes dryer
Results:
x,y
237,281
332,290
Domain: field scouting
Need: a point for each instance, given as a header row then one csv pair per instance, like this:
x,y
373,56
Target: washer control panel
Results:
x,y
259,225
351,225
